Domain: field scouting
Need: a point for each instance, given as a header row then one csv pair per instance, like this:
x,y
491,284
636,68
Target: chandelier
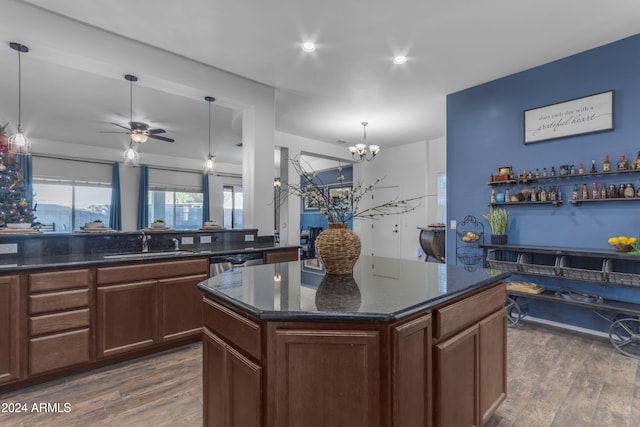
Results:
x,y
18,142
362,152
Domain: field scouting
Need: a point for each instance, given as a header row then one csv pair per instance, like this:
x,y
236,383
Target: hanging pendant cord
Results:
x,y
19,89
130,101
209,129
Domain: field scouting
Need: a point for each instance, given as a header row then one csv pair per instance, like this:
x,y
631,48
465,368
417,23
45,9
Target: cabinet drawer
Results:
x,y
57,322
272,257
156,270
52,281
237,330
461,314
58,351
55,301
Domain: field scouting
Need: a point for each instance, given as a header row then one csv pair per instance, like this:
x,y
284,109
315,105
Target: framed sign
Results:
x,y
593,113
341,197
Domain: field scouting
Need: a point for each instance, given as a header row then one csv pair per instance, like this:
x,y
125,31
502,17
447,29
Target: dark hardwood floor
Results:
x,y
556,378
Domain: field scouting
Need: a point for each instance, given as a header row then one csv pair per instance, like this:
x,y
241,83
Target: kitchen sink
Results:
x,y
147,254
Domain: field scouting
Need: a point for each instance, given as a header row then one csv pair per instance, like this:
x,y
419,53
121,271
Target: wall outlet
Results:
x,y
248,238
9,248
205,239
187,240
453,224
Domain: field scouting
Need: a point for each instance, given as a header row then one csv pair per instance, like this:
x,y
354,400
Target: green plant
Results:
x,y
498,220
159,221
97,220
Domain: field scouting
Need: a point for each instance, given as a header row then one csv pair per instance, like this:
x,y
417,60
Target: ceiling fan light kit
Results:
x,y
131,156
18,142
210,164
139,132
362,151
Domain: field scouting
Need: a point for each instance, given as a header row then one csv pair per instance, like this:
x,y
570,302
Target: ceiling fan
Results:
x,y
138,131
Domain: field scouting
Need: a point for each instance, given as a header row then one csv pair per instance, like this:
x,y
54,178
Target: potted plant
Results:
x,y
498,220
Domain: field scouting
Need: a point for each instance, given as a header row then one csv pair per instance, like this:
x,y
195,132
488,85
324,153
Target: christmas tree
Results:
x,y
15,199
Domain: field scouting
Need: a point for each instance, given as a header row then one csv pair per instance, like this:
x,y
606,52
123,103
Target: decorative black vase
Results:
x,y
499,239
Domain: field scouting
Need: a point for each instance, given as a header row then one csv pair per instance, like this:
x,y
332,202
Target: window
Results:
x,y
67,205
442,198
181,210
232,205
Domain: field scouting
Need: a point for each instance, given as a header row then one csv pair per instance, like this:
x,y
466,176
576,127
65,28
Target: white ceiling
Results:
x,y
324,95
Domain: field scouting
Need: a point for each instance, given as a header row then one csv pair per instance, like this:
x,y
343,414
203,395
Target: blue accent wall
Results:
x,y
485,131
329,177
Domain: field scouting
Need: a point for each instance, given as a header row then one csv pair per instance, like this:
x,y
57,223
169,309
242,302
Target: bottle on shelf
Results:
x,y
580,169
613,192
558,193
553,170
573,170
629,191
574,193
621,191
603,191
543,194
638,161
534,195
593,167
493,196
544,172
507,195
606,165
537,173
551,195
585,192
623,164
595,194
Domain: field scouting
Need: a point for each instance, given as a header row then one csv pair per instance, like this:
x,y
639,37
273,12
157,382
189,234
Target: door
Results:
x,y
385,240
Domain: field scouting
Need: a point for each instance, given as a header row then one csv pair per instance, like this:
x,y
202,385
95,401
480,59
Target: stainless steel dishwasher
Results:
x,y
222,263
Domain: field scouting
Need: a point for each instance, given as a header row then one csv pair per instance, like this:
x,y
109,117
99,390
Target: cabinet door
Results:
x,y
232,386
9,328
458,378
328,378
127,317
412,377
493,363
180,307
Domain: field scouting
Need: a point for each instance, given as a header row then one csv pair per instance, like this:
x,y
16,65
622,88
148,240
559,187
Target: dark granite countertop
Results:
x,y
35,262
381,289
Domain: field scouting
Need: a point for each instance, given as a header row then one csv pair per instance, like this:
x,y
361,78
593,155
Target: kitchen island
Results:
x,y
399,343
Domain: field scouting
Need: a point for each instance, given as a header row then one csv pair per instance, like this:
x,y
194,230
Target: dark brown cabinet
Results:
x,y
127,317
59,308
9,329
445,366
145,304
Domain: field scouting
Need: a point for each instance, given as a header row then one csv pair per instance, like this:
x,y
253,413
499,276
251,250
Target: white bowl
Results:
x,y
210,223
93,225
158,225
19,226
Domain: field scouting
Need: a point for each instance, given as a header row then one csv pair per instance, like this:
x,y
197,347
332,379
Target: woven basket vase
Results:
x,y
339,248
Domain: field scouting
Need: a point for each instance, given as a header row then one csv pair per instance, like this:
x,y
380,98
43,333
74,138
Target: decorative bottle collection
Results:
x,y
552,193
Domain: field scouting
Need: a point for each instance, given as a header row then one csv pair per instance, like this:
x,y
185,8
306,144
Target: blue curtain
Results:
x,y
24,160
115,214
205,197
143,198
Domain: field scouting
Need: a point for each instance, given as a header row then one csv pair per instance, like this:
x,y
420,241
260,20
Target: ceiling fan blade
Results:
x,y
154,131
114,131
161,138
123,127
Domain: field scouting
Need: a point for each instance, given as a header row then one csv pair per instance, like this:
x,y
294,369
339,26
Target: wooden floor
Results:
x,y
556,378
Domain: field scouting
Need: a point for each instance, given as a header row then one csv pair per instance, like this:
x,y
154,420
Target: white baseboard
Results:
x,y
565,326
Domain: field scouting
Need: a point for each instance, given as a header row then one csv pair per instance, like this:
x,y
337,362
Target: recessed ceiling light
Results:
x,y
308,46
399,60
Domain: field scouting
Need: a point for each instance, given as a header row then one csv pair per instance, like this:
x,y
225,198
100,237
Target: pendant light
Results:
x,y
362,152
18,142
210,164
131,155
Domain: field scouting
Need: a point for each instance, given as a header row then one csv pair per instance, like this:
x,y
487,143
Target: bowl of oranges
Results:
x,y
622,243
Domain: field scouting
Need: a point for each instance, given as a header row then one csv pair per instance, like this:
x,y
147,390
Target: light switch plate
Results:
x,y
9,248
205,239
187,240
453,224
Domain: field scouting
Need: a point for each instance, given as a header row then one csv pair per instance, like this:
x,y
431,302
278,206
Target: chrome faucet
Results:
x,y
145,242
176,244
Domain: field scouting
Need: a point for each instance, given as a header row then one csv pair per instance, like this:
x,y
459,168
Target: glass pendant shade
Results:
x,y
210,164
19,143
131,156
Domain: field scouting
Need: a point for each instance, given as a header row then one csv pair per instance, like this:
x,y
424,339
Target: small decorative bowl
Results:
x,y
622,247
158,225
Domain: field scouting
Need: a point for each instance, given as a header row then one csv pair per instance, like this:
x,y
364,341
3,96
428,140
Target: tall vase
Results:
x,y
339,248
